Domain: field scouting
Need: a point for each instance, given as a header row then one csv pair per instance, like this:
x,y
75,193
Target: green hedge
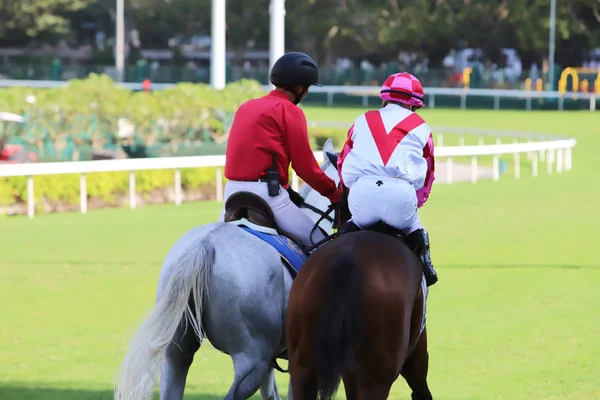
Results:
x,y
84,117
185,105
88,111
105,186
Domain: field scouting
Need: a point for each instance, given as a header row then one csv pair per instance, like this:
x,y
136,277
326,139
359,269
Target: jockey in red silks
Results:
x,y
272,131
388,166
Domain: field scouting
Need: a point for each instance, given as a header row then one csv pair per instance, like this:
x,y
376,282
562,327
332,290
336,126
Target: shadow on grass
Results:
x,y
41,393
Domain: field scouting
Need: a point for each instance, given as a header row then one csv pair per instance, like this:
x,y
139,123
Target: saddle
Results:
x,y
382,227
251,207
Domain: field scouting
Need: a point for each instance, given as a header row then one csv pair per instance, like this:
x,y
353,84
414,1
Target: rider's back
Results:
x,y
370,156
258,130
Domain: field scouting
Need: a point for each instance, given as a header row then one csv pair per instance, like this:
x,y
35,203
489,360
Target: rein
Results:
x,y
323,214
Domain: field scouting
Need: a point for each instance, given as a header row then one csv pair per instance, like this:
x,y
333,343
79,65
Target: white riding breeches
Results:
x,y
288,216
393,201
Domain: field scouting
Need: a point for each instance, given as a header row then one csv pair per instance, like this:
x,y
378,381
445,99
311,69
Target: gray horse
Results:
x,y
221,283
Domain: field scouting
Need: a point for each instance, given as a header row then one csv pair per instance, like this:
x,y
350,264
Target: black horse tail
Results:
x,y
340,332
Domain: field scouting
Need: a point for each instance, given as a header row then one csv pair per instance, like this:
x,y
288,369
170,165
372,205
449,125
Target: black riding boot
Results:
x,y
418,241
349,227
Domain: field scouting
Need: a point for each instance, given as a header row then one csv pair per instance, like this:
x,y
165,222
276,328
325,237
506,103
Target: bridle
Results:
x,y
323,214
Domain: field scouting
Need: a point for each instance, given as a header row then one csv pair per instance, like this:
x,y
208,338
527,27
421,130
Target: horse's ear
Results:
x,y
328,147
333,158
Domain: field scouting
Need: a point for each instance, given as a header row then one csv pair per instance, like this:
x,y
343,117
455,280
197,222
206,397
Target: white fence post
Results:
x,y
496,167
449,170
559,161
82,194
549,161
132,201
432,101
517,162
568,161
177,187
30,197
474,171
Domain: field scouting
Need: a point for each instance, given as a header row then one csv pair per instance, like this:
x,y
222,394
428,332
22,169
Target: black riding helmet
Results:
x,y
292,69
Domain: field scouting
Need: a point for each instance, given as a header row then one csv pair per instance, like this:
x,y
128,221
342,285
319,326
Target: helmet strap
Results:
x,y
290,89
298,95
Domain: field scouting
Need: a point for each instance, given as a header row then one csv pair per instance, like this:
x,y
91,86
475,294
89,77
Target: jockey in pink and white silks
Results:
x,y
387,164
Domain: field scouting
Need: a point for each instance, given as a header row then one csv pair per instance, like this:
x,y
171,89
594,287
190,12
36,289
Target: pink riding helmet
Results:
x,y
403,88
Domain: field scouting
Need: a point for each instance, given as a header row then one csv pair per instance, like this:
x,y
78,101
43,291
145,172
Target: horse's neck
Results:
x,y
304,191
313,198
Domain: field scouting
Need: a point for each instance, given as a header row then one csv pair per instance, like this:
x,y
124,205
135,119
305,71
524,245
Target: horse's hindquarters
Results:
x,y
244,300
247,304
361,285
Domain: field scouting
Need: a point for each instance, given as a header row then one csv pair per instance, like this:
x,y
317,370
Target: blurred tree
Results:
x,y
247,25
35,17
158,21
327,29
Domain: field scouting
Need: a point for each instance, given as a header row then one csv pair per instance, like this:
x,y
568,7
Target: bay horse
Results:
x,y
356,313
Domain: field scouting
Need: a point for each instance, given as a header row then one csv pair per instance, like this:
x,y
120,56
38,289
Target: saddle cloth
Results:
x,y
291,253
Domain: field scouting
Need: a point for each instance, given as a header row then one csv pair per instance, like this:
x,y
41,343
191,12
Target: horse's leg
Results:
x,y
268,388
415,370
374,391
248,328
303,385
179,356
250,372
303,382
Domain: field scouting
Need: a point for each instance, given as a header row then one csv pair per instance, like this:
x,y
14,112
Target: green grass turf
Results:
x,y
514,315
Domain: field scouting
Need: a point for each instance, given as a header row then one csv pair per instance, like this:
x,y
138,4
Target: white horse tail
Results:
x,y
147,348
